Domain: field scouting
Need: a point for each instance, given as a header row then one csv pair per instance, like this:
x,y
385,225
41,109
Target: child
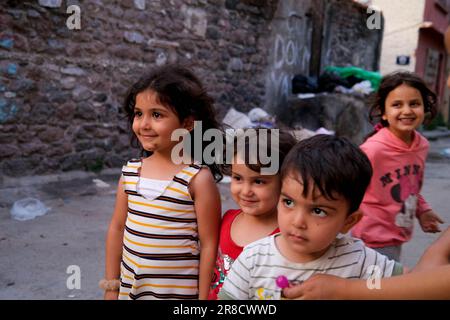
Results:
x,y
397,153
164,232
257,196
323,182
430,279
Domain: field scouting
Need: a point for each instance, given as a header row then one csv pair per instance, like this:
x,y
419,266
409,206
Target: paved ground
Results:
x,y
35,254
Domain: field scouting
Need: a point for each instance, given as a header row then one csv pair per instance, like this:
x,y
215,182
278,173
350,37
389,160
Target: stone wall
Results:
x,y
347,39
61,89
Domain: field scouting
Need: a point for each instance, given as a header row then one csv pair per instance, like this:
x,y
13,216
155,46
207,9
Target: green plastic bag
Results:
x,y
345,72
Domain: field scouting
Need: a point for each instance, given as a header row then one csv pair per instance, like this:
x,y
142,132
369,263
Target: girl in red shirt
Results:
x,y
257,195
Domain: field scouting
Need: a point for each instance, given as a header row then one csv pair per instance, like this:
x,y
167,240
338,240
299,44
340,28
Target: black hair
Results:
x,y
178,88
285,142
333,164
392,81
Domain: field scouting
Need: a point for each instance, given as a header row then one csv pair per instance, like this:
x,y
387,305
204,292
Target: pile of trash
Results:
x,y
257,117
348,80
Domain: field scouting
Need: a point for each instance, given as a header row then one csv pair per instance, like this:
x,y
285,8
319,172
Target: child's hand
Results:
x,y
111,295
429,221
319,286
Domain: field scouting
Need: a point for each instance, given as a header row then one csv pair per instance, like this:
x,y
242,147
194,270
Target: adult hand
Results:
x,y
319,286
429,221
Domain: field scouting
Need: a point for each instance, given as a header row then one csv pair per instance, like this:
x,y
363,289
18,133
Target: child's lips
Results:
x,y
248,202
298,238
148,136
407,120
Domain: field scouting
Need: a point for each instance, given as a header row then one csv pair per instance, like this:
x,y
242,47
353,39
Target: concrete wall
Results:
x,y
61,90
290,52
403,19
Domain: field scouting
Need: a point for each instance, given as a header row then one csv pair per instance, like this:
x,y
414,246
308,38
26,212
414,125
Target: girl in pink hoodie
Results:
x,y
397,153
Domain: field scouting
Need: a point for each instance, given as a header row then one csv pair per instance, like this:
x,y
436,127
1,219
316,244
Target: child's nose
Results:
x,y
407,109
146,122
247,189
299,220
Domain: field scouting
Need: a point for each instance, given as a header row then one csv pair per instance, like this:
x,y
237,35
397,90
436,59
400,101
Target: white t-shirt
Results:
x,y
253,275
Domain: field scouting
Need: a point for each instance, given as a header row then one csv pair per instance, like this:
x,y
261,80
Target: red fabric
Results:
x,y
227,253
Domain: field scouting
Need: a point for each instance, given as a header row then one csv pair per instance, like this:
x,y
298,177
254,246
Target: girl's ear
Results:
x,y
351,220
188,123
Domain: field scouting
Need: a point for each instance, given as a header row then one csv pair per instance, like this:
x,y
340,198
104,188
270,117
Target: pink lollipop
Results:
x,y
282,282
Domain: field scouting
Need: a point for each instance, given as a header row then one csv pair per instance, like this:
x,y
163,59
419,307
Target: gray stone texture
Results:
x,y
61,90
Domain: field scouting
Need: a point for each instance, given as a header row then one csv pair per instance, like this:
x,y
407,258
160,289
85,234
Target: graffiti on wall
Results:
x,y
291,53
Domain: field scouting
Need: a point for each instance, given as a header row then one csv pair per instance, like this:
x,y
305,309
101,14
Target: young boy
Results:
x,y
323,182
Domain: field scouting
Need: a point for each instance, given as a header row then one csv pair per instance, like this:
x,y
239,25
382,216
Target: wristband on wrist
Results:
x,y
109,285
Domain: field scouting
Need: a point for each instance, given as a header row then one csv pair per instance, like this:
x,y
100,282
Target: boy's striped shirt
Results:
x,y
253,275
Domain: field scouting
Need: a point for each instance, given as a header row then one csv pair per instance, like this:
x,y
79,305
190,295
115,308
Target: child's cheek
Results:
x,y
234,189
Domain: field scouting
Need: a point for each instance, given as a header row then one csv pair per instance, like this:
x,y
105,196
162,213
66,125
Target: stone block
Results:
x,y
51,135
133,37
50,3
139,4
81,93
195,21
7,150
73,71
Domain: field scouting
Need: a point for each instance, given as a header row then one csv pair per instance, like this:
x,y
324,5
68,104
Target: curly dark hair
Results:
x,y
392,81
178,88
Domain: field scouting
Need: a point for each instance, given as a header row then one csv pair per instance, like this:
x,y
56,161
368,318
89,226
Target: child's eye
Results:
x,y
288,203
319,212
258,181
137,113
237,178
156,115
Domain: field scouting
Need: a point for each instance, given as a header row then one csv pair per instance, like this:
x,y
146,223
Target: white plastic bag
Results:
x,y
27,209
258,114
236,119
363,87
323,130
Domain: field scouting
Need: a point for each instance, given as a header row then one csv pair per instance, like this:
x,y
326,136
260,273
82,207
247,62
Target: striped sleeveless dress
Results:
x,y
160,257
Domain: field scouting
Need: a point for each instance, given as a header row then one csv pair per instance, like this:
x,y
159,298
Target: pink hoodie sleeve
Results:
x,y
422,205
